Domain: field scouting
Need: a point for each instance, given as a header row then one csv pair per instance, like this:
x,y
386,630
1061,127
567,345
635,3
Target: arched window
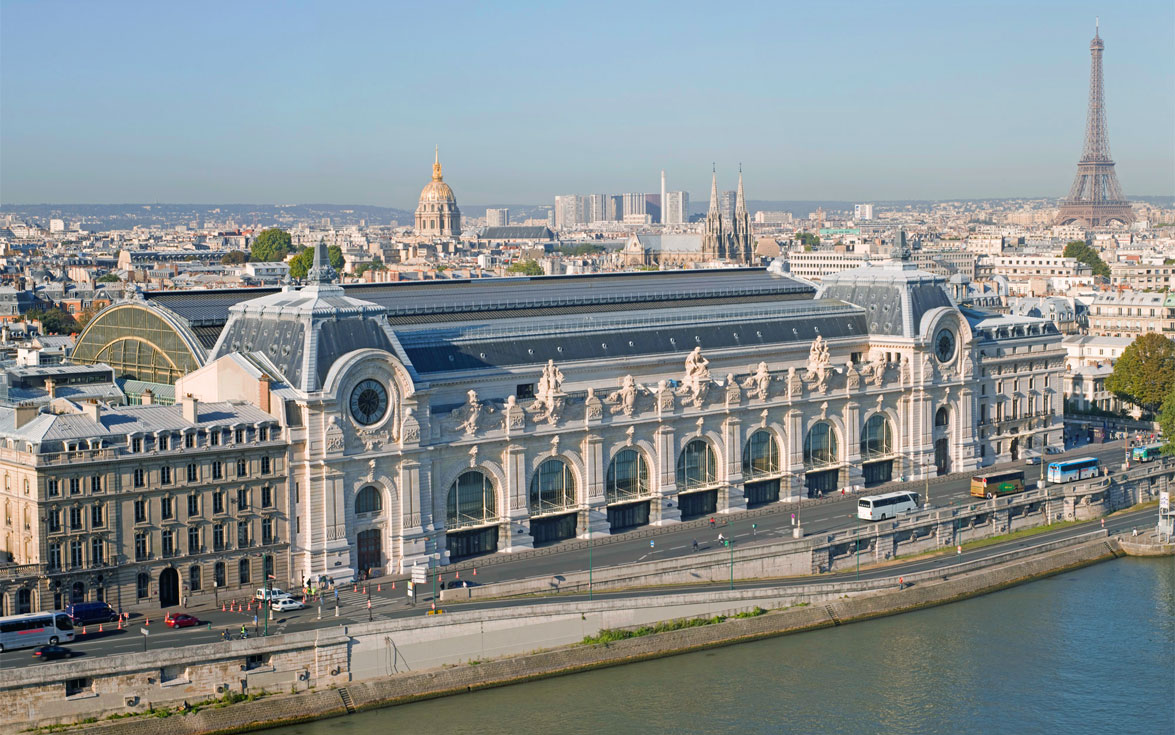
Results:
x,y
142,585
552,488
471,501
24,601
243,571
194,578
877,437
368,501
820,445
696,466
761,455
942,417
628,477
77,593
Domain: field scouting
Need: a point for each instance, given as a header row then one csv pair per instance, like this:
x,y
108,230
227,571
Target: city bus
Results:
x,y
996,484
1069,470
1147,453
35,629
880,507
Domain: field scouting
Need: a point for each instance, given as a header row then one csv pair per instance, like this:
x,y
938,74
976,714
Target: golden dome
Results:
x,y
437,190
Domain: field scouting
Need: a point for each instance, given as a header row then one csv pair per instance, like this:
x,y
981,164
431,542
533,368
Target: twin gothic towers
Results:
x,y
724,240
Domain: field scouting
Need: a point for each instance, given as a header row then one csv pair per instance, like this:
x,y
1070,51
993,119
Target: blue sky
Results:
x,y
342,102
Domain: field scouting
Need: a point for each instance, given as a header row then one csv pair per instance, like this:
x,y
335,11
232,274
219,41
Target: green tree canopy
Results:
x,y
109,278
1145,373
807,239
587,248
1090,256
235,257
301,263
1167,421
54,320
526,268
271,246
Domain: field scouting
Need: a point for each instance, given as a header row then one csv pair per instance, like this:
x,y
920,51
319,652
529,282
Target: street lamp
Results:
x,y
730,545
589,557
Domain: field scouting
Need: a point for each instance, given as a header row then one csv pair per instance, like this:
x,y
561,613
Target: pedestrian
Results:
x,y
720,538
254,622
695,545
711,521
901,583
244,633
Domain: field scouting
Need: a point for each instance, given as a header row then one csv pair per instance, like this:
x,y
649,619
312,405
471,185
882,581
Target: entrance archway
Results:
x,y
942,457
1014,449
370,549
169,587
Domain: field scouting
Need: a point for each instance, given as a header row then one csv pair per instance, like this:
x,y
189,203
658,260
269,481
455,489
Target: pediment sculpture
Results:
x,y
696,381
624,399
819,365
549,396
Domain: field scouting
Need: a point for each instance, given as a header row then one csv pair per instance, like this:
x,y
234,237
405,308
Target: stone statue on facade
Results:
x,y
734,394
513,416
905,371
874,370
624,399
549,396
759,382
697,377
466,417
819,364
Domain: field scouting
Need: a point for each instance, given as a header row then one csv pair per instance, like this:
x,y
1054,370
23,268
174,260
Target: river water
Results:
x,y
1090,651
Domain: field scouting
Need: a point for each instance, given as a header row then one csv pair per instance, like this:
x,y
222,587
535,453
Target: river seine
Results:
x,y
1091,651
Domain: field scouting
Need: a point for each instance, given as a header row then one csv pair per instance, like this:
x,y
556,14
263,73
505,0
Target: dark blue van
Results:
x,y
85,613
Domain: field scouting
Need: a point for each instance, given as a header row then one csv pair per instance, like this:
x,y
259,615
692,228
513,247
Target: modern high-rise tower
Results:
x,y
1096,198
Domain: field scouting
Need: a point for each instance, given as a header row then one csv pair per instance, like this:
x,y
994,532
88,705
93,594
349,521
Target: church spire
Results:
x,y
740,202
436,166
714,189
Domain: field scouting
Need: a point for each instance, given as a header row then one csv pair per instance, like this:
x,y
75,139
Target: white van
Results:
x,y
271,594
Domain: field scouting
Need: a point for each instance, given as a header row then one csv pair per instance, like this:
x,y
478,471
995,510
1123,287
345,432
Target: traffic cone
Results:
x,y
379,587
83,630
147,622
100,628
458,574
475,571
434,605
222,607
355,588
120,622
365,589
393,585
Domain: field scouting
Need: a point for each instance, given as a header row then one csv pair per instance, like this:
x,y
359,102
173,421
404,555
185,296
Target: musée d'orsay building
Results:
x,y
497,414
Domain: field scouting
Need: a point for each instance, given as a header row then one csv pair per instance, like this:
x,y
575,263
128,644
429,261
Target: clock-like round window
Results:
x,y
369,402
944,345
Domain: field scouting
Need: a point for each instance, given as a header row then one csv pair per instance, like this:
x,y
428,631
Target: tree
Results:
x,y
1090,256
526,268
807,239
271,246
1167,421
83,318
1145,373
110,278
301,263
235,257
54,320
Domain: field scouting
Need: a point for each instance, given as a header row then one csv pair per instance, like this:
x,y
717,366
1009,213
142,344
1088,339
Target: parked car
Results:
x,y
86,613
1052,450
282,604
182,620
50,653
271,594
1033,460
457,584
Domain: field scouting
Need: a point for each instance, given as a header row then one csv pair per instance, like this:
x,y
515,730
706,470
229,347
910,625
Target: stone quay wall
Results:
x,y
416,685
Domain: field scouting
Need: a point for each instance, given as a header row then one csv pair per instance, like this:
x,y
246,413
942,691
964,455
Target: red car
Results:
x,y
182,621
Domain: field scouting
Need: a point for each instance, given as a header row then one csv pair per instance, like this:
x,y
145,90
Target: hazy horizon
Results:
x,y
126,103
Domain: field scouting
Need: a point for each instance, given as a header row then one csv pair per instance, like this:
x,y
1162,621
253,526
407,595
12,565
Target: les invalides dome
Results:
x,y
437,214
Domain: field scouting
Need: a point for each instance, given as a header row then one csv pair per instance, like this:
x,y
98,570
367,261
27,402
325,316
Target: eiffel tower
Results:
x,y
1096,197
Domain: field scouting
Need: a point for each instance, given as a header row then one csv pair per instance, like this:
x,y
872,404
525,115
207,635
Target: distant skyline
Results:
x,y
343,102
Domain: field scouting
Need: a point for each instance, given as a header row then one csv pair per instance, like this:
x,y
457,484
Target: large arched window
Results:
x,y
942,417
761,455
471,501
696,466
628,477
368,501
820,445
877,437
552,488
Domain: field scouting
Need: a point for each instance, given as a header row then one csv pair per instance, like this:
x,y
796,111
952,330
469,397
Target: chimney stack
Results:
x,y
92,411
51,387
191,409
148,397
25,414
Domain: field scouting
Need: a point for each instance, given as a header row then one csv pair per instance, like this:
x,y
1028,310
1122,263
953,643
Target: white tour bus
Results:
x,y
35,629
880,507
